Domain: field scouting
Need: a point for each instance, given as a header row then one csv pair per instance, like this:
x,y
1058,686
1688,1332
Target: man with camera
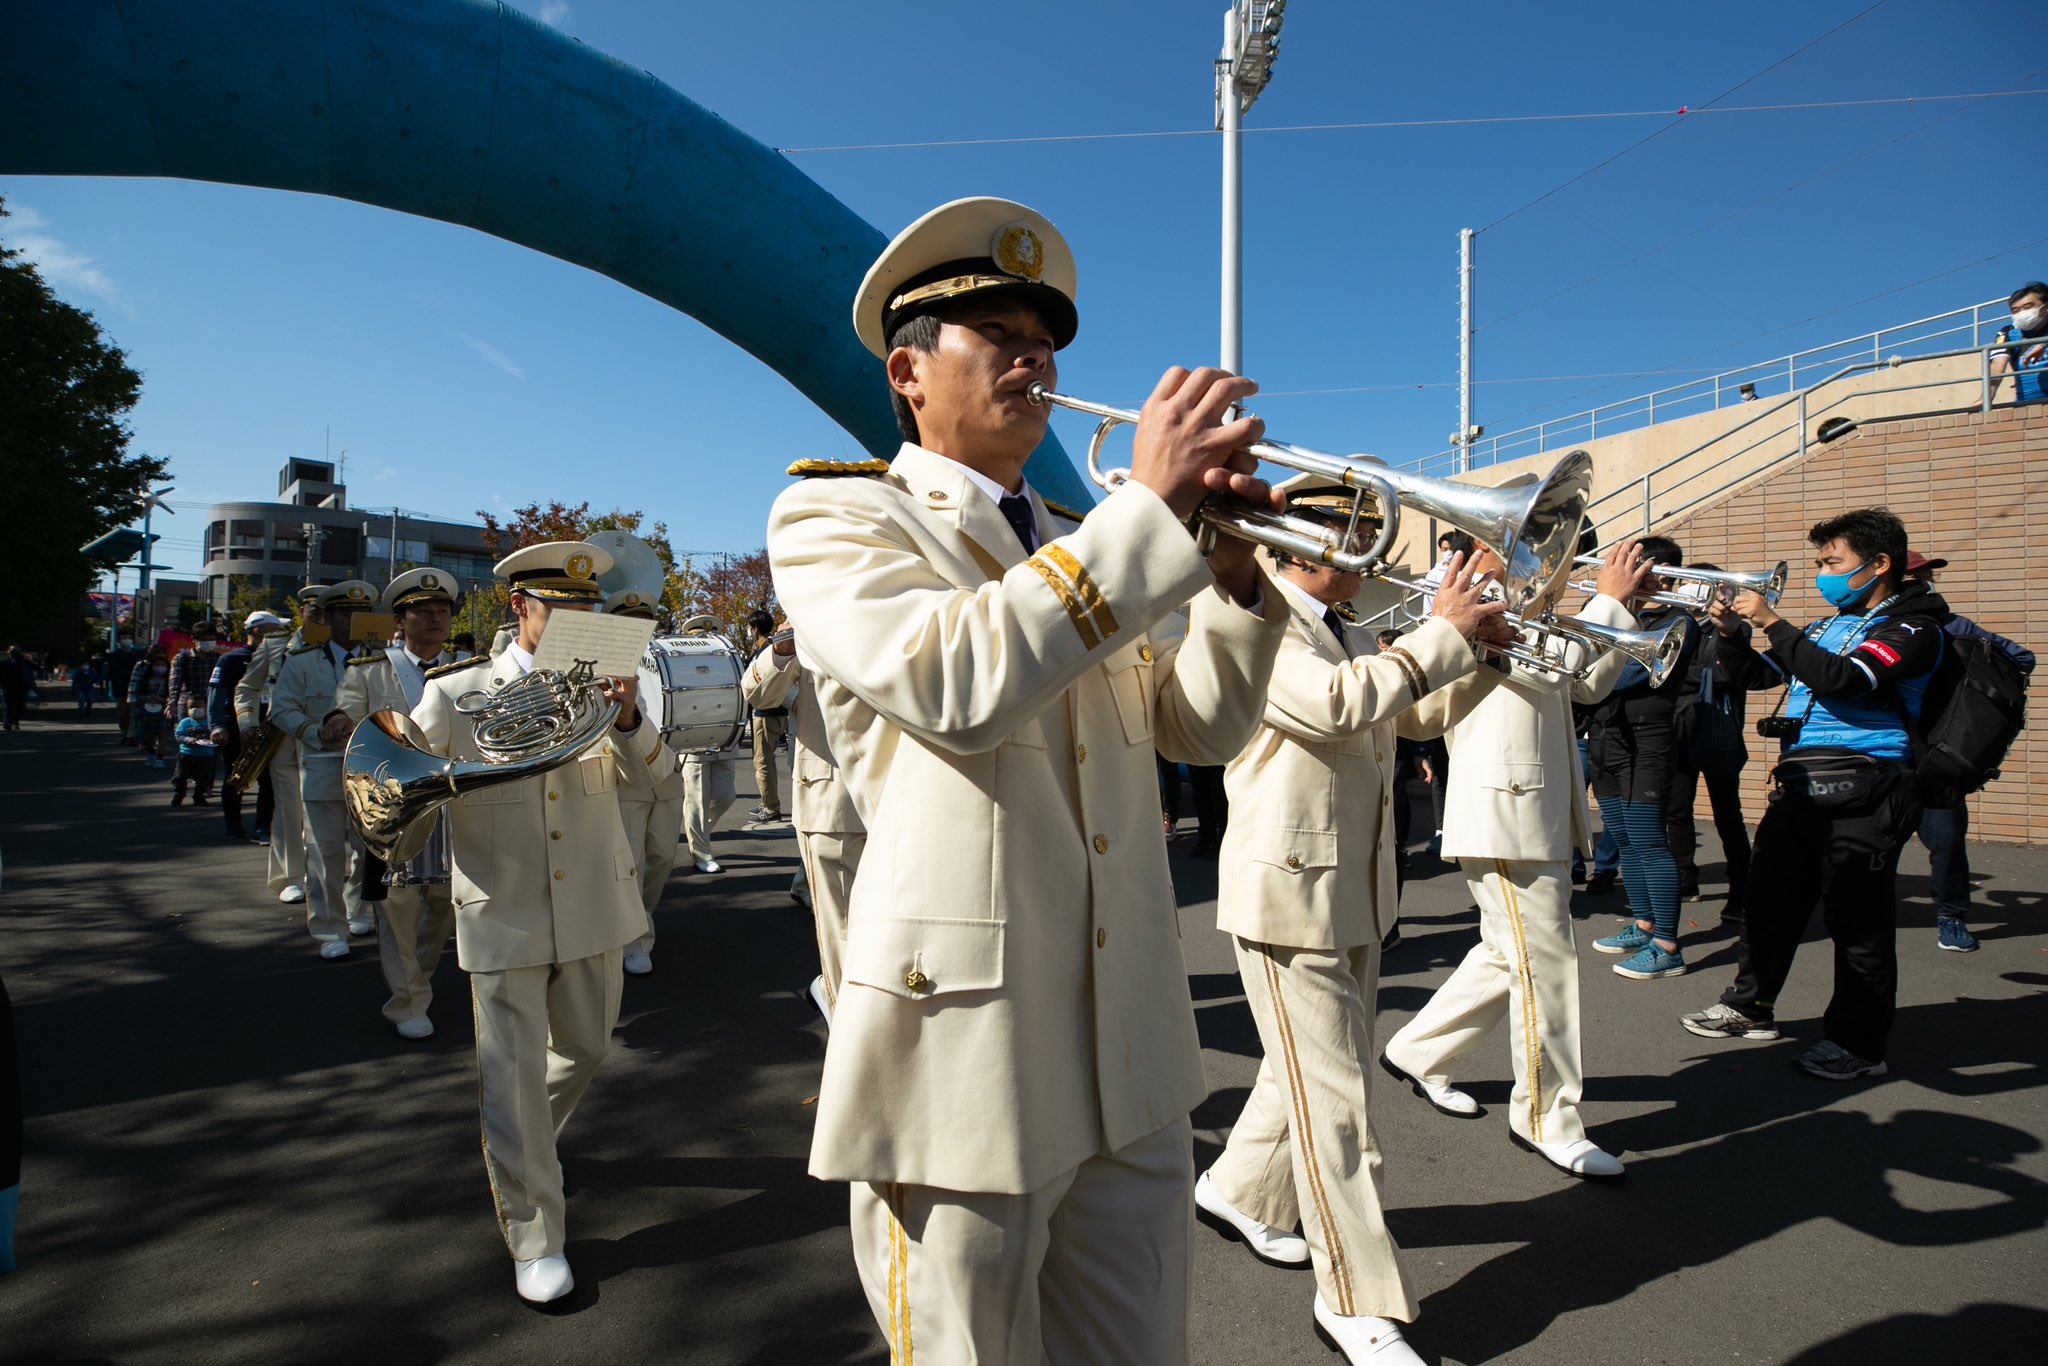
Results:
x,y
1844,799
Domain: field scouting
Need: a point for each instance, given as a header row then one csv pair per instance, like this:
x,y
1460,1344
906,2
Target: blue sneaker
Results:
x,y
1955,935
1651,962
1628,941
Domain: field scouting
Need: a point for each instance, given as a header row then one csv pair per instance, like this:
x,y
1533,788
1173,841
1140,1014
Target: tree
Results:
x,y
65,394
246,594
535,524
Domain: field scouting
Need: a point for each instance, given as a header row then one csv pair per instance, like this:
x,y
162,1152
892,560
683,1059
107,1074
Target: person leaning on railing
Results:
x,y
2027,359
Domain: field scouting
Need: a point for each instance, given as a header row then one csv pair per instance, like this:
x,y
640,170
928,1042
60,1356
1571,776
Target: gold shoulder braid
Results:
x,y
366,659
1346,613
474,661
810,469
307,648
1061,510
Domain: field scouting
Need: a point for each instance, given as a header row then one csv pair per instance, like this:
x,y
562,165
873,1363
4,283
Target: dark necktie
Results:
x,y
1336,625
1017,512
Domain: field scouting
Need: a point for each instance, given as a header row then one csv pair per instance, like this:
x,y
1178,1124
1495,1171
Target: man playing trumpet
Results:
x,y
547,896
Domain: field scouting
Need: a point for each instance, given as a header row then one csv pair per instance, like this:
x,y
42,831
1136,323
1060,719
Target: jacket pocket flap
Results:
x,y
1294,851
1510,777
920,958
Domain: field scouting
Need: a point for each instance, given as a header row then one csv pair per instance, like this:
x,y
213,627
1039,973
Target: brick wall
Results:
x,y
1971,488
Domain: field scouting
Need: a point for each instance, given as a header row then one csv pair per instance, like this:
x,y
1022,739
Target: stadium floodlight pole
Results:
x,y
1251,42
1463,442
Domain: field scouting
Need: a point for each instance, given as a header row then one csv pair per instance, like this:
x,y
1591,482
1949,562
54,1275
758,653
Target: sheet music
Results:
x,y
612,645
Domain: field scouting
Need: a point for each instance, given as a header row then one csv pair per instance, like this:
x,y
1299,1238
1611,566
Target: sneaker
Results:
x,y
1652,962
1601,883
262,837
638,963
762,814
1632,938
177,799
1830,1060
1955,935
1726,1022
1689,892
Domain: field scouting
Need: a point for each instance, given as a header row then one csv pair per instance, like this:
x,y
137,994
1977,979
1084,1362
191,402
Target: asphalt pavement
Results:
x,y
232,1158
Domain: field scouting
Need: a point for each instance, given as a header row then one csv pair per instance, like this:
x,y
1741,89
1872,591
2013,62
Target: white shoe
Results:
x,y
818,999
420,1028
638,964
1362,1338
292,894
1448,1099
361,926
1267,1244
543,1279
1581,1158
334,948
710,865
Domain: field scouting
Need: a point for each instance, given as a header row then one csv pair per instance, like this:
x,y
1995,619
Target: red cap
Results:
x,y
1915,562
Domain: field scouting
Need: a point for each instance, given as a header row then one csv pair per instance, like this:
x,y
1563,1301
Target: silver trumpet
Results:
x,y
395,787
1532,525
1769,583
1656,650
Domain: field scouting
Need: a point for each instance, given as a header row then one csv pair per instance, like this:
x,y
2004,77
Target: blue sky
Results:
x,y
459,372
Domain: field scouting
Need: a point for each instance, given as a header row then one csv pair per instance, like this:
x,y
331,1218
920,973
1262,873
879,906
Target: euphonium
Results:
x,y
394,785
1533,525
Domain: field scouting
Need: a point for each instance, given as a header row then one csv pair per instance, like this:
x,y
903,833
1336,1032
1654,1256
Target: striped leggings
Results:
x,y
1647,868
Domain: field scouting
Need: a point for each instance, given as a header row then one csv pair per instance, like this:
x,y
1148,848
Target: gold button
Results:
x,y
554,834
1145,653
1294,862
938,495
1102,844
553,795
1101,938
1080,754
559,875
915,980
632,872
1514,787
1379,756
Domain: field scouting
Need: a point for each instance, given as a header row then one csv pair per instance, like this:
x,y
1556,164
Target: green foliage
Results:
x,y
65,394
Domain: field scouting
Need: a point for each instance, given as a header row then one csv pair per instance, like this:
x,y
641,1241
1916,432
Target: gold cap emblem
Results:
x,y
430,581
1018,251
579,565
358,595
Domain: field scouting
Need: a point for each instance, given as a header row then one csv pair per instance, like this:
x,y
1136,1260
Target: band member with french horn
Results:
x,y
546,888
1013,1053
653,815
415,913
1306,888
1520,809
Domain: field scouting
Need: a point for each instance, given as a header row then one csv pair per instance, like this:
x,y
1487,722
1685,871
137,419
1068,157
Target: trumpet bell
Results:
x,y
1532,524
1656,650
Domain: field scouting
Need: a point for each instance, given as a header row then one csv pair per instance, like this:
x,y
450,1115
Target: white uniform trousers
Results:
x,y
331,893
540,1034
287,820
708,794
1525,967
652,830
768,733
413,925
829,863
1304,1147
1090,1269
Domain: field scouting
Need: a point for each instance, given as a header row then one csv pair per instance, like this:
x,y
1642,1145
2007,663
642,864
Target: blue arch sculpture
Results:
x,y
476,114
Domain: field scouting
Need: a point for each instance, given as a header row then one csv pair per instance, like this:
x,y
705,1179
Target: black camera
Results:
x,y
1784,728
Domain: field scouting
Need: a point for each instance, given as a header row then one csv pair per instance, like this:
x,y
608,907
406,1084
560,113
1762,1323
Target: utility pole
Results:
x,y
1466,431
1251,42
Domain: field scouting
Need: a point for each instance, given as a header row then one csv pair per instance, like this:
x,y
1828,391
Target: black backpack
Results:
x,y
1974,708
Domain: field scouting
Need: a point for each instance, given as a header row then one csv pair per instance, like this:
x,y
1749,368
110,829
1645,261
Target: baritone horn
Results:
x,y
395,786
1533,525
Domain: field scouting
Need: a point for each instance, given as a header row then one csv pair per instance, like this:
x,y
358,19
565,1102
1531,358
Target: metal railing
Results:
x,y
1783,376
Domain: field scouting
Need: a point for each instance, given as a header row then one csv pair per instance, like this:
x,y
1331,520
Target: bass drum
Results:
x,y
690,686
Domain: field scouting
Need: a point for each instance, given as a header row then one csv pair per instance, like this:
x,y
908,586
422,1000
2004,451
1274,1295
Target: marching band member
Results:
x,y
1520,811
252,705
301,704
1306,889
415,917
829,837
1013,1053
653,815
546,898
709,787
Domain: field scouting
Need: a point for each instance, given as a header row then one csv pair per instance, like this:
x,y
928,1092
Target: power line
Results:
x,y
1452,384
1377,125
1683,113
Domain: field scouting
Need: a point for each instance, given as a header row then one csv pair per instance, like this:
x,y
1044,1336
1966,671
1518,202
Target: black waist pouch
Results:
x,y
1835,780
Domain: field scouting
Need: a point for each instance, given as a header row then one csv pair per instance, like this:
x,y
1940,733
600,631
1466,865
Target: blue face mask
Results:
x,y
1837,590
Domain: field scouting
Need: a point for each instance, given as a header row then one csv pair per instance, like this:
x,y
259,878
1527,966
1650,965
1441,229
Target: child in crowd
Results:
x,y
195,756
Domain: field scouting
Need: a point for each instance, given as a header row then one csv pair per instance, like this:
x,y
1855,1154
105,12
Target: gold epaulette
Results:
x,y
1346,613
811,469
472,662
306,648
1061,510
376,658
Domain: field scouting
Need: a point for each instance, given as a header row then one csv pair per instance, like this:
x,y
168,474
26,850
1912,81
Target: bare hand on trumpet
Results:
x,y
1459,601
1623,575
1748,606
1185,451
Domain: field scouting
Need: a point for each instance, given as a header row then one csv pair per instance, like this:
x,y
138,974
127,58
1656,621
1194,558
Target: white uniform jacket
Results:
x,y
1518,791
821,804
254,690
1308,856
304,694
1014,1000
384,681
543,872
